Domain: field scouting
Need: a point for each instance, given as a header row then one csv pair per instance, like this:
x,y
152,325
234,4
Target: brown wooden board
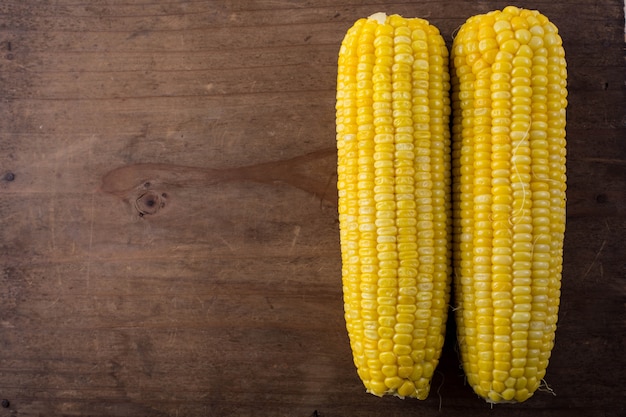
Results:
x,y
168,228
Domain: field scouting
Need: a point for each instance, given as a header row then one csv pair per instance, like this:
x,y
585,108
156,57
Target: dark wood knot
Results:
x,y
150,202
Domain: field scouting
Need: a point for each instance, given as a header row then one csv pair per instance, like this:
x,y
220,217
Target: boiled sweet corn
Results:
x,y
394,174
509,99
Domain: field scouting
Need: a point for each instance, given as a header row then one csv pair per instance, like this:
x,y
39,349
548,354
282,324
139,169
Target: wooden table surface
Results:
x,y
168,226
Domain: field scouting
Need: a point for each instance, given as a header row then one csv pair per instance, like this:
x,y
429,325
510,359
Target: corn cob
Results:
x,y
508,148
393,143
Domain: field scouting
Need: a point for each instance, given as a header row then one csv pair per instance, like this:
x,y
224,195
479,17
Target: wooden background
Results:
x,y
168,227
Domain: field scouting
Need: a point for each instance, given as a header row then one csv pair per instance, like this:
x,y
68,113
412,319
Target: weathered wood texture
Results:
x,y
168,228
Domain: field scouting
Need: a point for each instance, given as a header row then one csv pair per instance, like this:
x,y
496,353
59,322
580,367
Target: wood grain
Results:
x,y
136,183
168,228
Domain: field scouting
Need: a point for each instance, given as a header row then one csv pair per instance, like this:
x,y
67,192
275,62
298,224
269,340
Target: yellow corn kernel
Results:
x,y
508,150
393,144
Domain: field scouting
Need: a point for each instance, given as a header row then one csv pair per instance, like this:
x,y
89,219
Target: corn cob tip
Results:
x,y
380,17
